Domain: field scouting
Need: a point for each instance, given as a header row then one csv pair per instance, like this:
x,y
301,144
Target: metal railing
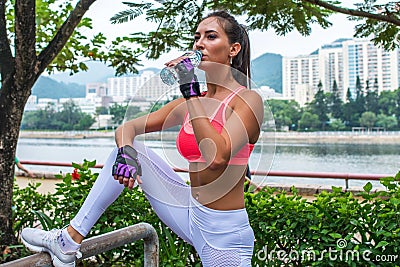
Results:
x,y
331,175
327,175
98,244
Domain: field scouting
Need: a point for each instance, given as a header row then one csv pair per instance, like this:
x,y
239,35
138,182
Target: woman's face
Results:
x,y
210,38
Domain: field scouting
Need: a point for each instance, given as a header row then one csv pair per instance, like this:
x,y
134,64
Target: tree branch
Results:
x,y
62,36
354,12
6,58
25,40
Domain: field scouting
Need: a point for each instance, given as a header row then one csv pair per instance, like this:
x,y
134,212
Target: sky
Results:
x,y
292,44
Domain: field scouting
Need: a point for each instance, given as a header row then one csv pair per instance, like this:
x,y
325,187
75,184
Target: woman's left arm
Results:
x,y
242,127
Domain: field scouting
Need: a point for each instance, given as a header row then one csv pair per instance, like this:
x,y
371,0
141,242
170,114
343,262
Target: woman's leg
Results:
x,y
63,245
167,192
104,192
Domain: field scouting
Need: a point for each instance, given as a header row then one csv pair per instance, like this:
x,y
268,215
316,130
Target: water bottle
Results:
x,y
168,74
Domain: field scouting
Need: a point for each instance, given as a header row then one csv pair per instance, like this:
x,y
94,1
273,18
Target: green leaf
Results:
x,y
336,189
395,201
368,187
46,222
76,165
335,235
382,244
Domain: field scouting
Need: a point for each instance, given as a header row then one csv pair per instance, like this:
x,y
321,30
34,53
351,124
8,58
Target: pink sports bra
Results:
x,y
187,144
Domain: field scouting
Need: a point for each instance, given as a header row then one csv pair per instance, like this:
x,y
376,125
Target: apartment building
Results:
x,y
300,77
371,64
342,61
146,85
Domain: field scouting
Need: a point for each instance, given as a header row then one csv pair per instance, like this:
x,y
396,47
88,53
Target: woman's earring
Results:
x,y
230,60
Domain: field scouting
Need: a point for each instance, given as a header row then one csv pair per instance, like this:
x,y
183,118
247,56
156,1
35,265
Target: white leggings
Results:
x,y
221,238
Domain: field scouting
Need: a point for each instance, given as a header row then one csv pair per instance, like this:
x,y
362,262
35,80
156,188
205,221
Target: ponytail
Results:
x,y
236,33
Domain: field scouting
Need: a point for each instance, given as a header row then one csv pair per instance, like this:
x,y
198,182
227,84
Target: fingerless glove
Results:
x,y
127,164
188,83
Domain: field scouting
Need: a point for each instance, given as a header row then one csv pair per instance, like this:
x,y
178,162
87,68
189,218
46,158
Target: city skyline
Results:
x,y
342,62
78,77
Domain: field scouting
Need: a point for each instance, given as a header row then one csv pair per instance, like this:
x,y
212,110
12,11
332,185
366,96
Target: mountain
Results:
x,y
267,70
46,87
65,86
155,70
97,72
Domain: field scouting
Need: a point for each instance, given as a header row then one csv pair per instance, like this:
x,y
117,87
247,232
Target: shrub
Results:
x,y
334,229
55,210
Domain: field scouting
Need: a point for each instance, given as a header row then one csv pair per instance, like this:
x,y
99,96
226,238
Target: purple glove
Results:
x,y
126,163
189,85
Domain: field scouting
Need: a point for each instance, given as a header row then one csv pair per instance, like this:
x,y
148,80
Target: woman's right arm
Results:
x,y
170,115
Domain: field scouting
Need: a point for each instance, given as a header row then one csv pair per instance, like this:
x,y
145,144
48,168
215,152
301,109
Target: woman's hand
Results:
x,y
174,62
188,83
127,168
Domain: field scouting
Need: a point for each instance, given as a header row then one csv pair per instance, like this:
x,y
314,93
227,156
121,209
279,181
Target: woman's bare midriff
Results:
x,y
218,189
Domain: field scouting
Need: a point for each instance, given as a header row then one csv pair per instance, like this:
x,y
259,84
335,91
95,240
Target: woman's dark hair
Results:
x,y
236,33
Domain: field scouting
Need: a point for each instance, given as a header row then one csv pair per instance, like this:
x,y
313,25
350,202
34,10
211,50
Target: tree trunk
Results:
x,y
11,109
14,93
18,75
17,81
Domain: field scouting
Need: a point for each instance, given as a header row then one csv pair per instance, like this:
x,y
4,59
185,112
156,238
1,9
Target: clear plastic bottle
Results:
x,y
168,74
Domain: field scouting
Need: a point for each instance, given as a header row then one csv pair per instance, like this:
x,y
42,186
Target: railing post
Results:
x,y
108,241
151,254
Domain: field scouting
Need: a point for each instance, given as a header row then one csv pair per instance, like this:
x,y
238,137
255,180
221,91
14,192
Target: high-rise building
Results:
x,y
330,66
96,90
123,86
299,72
342,61
375,67
146,85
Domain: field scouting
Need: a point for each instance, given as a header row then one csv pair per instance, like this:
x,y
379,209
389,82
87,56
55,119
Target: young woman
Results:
x,y
219,129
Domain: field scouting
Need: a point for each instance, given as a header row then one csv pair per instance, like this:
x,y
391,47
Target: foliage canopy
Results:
x,y
175,21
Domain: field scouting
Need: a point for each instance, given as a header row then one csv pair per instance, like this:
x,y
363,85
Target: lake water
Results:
x,y
341,158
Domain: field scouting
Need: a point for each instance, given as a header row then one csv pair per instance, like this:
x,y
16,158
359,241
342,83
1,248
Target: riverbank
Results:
x,y
279,137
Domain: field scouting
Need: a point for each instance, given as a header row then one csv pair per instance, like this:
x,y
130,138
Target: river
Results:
x,y
341,158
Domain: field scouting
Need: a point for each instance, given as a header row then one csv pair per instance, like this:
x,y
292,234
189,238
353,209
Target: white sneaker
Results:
x,y
38,240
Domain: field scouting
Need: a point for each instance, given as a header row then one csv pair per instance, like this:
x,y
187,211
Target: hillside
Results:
x,y
46,87
267,70
97,72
